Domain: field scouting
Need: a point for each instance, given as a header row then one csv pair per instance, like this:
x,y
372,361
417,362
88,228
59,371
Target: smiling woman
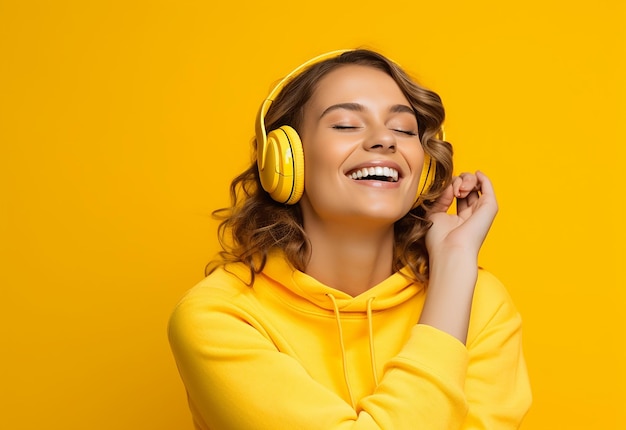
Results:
x,y
346,295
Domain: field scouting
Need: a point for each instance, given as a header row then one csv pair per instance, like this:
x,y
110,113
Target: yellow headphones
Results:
x,y
280,158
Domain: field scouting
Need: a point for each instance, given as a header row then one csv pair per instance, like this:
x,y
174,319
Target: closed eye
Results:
x,y
407,132
344,127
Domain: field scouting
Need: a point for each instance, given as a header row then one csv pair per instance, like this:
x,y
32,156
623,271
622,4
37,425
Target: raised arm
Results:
x,y
453,243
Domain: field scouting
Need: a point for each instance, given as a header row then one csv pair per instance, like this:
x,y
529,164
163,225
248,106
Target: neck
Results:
x,y
354,260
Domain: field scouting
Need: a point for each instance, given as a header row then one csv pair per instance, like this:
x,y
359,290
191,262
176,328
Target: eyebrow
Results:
x,y
357,107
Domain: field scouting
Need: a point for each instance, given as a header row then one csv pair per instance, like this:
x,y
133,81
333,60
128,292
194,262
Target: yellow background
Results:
x,y
122,123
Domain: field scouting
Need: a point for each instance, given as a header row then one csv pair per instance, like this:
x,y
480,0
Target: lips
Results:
x,y
374,173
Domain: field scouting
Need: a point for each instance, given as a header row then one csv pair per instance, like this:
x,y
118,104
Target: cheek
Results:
x,y
415,157
321,155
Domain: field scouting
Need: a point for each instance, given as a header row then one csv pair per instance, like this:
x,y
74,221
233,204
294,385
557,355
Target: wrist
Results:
x,y
451,284
456,270
452,256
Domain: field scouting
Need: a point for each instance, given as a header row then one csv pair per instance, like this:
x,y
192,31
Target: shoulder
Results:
x,y
490,290
223,282
492,305
221,293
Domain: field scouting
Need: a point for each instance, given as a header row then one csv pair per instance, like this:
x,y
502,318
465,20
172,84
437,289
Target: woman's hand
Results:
x,y
466,230
453,242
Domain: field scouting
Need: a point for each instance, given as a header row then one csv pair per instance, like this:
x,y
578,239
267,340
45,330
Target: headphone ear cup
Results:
x,y
283,173
427,178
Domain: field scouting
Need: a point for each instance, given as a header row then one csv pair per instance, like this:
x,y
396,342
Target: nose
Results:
x,y
381,139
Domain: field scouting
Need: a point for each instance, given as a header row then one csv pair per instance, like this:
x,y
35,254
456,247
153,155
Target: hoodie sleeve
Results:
x,y
497,386
237,379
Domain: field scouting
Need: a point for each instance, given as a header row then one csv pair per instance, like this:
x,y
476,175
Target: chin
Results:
x,y
384,215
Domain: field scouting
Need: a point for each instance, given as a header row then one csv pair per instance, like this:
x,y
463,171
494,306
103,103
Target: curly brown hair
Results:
x,y
256,224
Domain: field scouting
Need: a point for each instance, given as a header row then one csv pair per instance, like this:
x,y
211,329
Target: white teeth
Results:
x,y
388,172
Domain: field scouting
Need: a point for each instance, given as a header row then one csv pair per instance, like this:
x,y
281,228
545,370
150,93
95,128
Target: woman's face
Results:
x,y
362,153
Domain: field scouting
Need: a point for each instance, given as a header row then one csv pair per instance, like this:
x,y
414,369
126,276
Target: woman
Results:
x,y
346,296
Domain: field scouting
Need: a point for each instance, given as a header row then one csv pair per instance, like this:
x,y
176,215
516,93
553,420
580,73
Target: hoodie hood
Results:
x,y
308,293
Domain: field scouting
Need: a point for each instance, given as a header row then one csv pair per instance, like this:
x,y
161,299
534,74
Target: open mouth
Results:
x,y
377,173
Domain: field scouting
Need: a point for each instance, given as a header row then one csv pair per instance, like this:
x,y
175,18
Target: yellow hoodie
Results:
x,y
292,353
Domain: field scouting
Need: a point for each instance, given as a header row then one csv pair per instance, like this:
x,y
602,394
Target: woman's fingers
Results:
x,y
471,191
443,203
464,184
475,214
481,195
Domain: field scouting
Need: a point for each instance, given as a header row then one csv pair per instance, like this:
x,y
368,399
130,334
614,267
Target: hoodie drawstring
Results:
x,y
370,329
370,337
343,351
